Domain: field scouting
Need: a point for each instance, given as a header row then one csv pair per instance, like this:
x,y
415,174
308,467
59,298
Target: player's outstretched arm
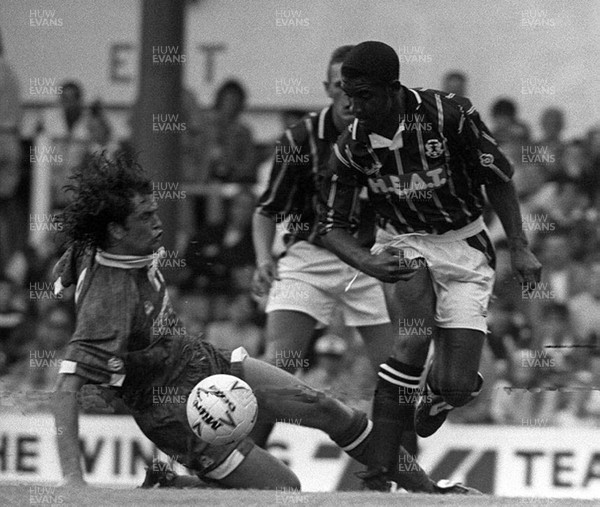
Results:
x,y
66,417
263,234
503,198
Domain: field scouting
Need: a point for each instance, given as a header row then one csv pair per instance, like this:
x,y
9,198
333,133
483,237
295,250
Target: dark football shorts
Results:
x,y
164,421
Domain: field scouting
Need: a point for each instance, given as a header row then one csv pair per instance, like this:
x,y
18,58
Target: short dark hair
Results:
x,y
338,56
504,107
231,85
75,86
102,193
456,74
373,60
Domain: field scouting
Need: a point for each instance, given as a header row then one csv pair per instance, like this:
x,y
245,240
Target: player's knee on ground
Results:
x,y
457,391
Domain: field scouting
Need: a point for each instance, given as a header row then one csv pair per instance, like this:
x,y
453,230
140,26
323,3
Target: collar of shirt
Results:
x,y
135,262
396,142
413,102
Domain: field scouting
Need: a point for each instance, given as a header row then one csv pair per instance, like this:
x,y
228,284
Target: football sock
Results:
x,y
354,437
393,409
357,441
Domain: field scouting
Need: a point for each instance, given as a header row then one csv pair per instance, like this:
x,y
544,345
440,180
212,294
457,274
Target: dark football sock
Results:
x,y
357,441
355,437
393,409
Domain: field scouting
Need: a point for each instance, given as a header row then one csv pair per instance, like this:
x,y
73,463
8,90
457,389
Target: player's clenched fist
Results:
x,y
263,278
388,266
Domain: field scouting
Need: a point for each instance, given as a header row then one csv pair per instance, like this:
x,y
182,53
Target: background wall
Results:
x,y
540,53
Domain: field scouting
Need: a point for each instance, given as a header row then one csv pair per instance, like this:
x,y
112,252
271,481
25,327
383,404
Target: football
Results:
x,y
221,409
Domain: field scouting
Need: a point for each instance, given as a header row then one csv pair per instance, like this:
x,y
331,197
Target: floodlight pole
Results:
x,y
157,139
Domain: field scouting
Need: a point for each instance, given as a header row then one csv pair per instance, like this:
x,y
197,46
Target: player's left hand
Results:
x,y
526,266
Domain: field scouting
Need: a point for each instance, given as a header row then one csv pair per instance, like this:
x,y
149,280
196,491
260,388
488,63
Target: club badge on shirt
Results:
x,y
434,148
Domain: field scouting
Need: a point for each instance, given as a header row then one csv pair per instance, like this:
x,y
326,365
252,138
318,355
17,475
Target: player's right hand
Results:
x,y
389,266
264,275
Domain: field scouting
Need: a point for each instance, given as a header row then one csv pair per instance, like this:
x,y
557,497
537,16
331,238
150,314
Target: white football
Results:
x,y
221,409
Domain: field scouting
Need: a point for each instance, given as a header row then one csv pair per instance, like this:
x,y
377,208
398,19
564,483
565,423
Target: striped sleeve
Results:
x,y
487,164
340,191
291,161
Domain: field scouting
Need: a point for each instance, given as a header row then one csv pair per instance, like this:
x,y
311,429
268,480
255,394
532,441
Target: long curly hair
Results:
x,y
101,192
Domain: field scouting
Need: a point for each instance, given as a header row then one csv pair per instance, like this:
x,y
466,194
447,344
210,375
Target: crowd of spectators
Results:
x,y
544,342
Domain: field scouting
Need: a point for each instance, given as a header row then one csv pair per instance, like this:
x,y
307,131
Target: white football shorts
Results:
x,y
461,264
314,281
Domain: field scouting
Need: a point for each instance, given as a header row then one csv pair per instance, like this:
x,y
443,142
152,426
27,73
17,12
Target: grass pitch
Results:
x,y
65,497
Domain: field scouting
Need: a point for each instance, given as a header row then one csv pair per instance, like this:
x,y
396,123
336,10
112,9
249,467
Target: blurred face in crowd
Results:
x,y
142,231
594,142
232,104
552,123
574,159
70,100
98,130
455,84
241,210
502,121
342,114
557,252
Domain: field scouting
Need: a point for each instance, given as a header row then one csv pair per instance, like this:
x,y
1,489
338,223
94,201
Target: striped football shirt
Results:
x,y
427,178
300,163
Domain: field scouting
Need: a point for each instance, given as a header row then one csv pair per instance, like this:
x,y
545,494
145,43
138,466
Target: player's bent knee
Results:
x,y
457,392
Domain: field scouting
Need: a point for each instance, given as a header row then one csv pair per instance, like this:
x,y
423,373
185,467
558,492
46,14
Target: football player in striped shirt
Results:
x,y
424,156
308,282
